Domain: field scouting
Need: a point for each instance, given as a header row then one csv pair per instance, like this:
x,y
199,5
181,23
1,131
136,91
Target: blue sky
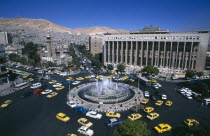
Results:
x,y
174,15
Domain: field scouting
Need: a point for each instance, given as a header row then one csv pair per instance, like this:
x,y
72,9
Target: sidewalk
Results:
x,y
5,89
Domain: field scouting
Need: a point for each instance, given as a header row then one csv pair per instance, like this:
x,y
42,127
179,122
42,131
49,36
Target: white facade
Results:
x,y
170,52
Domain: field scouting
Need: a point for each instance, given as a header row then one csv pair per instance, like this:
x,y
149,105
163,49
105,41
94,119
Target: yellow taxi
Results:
x,y
84,122
191,122
162,128
152,115
69,78
132,80
148,109
30,79
62,117
109,77
125,77
88,77
145,101
99,76
59,88
159,103
153,81
80,78
52,95
6,103
135,116
168,103
113,114
52,82
71,135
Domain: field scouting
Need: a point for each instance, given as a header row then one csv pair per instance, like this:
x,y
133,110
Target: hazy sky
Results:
x,y
174,15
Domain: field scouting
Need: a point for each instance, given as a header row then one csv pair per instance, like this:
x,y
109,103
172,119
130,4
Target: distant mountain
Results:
x,y
99,30
42,24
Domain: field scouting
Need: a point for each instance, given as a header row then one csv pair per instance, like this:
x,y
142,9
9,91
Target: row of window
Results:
x,y
153,38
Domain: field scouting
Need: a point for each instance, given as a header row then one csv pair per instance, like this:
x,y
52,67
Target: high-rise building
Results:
x,y
169,51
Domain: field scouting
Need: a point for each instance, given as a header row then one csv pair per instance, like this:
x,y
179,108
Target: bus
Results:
x,y
144,81
21,85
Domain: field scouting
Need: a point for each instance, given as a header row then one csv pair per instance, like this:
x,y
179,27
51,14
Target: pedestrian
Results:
x,y
202,104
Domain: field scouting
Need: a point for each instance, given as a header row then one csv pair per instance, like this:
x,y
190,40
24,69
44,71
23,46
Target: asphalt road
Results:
x,y
35,115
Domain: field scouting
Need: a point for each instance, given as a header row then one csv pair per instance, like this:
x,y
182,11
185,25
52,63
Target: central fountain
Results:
x,y
106,91
105,96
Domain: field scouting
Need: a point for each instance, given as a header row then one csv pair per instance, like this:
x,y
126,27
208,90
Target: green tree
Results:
x,y
121,67
151,70
132,128
110,67
199,74
190,74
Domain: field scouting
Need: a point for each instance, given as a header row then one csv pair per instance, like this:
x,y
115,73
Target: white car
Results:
x,y
146,94
155,86
94,115
57,84
92,76
76,82
46,91
85,130
158,84
188,96
164,97
36,85
63,74
71,104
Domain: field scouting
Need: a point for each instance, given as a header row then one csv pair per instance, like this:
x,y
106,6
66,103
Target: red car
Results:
x,y
38,91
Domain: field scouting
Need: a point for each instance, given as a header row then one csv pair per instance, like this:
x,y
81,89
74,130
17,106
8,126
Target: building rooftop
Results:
x,y
156,30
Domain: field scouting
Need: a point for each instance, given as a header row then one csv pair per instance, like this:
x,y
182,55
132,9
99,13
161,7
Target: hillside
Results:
x,y
42,24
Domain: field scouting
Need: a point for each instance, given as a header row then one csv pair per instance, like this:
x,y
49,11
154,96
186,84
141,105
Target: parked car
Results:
x,y
164,97
162,128
146,94
46,91
84,122
168,103
94,115
152,115
135,116
52,95
39,91
114,121
85,130
62,117
159,103
81,109
6,103
57,84
76,82
148,109
113,114
71,104
36,85
191,122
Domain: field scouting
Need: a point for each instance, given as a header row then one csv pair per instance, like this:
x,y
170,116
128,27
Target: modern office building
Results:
x,y
95,44
169,51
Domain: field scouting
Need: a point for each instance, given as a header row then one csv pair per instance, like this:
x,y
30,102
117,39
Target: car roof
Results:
x,y
93,112
113,119
61,114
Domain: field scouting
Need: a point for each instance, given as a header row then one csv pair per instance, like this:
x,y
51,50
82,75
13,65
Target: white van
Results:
x,y
36,85
206,101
